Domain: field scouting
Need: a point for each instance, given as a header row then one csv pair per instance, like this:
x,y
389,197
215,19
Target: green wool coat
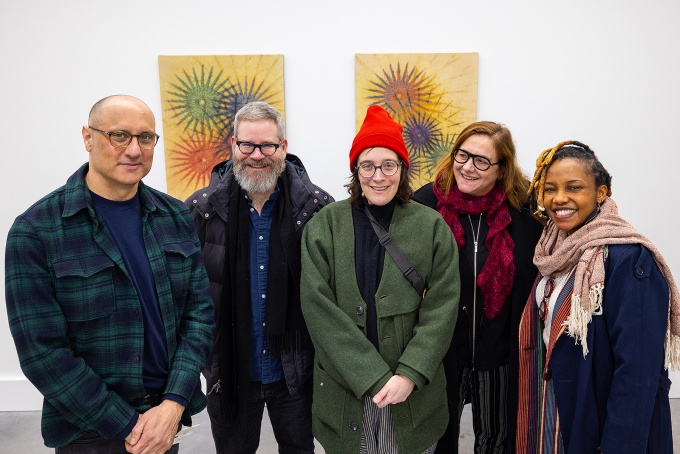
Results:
x,y
413,334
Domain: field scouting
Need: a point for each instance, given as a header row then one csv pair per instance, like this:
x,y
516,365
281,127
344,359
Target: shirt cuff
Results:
x,y
127,429
176,398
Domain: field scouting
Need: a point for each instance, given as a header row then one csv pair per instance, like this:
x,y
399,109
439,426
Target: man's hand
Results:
x,y
396,390
155,430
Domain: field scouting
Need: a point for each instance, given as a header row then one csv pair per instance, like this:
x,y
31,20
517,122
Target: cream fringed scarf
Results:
x,y
556,252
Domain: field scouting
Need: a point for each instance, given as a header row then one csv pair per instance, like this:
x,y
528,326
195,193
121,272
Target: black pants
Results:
x,y
290,416
93,443
488,393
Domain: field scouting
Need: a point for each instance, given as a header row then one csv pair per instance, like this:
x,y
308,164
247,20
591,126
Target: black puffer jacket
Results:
x,y
210,210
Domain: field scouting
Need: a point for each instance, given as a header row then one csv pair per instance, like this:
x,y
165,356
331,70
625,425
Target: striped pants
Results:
x,y
488,393
378,435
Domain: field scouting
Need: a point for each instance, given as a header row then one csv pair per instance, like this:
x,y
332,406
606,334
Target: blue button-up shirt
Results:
x,y
265,366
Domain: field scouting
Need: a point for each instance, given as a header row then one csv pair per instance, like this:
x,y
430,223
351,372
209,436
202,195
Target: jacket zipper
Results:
x,y
216,387
475,239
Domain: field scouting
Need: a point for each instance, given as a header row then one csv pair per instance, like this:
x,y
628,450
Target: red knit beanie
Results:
x,y
378,130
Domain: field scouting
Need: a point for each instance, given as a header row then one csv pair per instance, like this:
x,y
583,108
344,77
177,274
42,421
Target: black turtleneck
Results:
x,y
369,256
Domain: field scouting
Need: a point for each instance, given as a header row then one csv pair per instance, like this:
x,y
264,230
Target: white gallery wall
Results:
x,y
604,72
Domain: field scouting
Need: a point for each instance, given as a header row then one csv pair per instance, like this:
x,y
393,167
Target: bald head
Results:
x,y
115,169
100,106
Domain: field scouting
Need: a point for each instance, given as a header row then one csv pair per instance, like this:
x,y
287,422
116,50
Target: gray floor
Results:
x,y
20,433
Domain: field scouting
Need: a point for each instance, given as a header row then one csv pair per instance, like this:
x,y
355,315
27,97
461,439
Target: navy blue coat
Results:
x,y
616,398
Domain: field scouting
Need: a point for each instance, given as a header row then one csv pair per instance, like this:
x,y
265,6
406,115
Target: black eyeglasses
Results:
x,y
266,149
547,292
482,163
368,169
121,139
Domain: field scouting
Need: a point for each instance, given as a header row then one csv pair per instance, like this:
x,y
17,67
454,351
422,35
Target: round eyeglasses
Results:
x,y
368,169
266,149
481,163
121,139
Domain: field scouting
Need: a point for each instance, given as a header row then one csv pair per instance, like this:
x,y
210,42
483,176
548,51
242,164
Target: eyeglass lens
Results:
x,y
388,168
146,140
123,139
480,162
266,149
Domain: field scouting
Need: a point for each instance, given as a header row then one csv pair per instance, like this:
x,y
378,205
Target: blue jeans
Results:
x,y
93,443
290,416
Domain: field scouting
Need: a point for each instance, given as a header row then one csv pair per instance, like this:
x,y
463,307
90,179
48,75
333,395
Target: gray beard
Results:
x,y
262,183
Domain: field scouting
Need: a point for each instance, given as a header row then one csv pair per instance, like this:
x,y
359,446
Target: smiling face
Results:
x,y
471,180
379,189
115,172
257,173
570,194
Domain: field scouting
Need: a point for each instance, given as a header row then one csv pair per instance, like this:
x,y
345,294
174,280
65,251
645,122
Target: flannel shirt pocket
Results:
x,y
84,287
179,264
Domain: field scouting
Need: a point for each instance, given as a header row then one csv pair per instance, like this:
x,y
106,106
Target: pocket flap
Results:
x,y
82,267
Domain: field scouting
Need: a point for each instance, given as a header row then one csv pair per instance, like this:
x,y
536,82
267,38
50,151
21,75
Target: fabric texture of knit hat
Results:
x,y
378,130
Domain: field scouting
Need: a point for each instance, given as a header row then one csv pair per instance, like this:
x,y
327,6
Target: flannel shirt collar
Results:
x,y
78,197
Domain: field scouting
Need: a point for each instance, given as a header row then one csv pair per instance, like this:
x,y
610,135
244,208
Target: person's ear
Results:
x,y
601,194
87,138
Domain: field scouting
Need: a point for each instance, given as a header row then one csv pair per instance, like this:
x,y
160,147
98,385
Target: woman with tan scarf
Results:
x,y
600,327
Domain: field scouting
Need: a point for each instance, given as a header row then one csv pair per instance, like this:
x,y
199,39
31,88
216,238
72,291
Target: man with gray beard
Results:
x,y
250,221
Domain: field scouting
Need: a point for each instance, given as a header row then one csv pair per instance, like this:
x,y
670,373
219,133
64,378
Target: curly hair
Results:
x,y
567,149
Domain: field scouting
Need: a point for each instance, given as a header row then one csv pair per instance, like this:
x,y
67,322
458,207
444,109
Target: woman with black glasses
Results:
x,y
480,190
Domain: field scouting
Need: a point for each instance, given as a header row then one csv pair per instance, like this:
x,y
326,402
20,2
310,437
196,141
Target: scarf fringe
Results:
x,y
579,318
290,342
672,347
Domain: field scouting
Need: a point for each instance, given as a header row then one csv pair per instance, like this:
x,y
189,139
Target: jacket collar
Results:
x,y
214,199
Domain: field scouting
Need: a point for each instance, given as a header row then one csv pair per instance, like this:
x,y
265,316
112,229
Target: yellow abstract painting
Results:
x,y
199,97
432,96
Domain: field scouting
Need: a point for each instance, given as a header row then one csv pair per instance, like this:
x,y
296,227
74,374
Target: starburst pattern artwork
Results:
x,y
432,96
199,97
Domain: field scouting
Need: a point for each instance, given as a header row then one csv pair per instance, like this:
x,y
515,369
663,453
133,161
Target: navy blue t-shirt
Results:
x,y
124,220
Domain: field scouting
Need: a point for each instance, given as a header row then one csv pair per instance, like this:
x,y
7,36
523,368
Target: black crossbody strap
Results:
x,y
402,262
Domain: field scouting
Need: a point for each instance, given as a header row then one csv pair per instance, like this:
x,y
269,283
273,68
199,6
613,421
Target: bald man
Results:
x,y
108,299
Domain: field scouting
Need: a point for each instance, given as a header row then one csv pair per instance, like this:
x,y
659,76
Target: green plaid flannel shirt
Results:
x,y
76,318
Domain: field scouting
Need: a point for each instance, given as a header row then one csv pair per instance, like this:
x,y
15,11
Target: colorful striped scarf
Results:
x,y
538,426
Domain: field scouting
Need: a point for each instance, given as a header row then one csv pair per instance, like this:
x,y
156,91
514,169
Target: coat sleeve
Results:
x,y
342,349
636,312
40,331
438,311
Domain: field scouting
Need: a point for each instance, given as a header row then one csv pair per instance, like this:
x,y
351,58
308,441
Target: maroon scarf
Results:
x,y
498,272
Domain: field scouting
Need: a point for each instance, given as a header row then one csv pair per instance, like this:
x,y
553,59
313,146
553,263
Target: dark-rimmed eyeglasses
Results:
x,y
547,292
481,163
121,139
388,168
266,149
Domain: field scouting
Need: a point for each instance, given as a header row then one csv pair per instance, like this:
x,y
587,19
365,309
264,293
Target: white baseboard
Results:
x,y
19,395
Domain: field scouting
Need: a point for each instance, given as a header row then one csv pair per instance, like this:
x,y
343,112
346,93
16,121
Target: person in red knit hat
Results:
x,y
378,130
379,382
